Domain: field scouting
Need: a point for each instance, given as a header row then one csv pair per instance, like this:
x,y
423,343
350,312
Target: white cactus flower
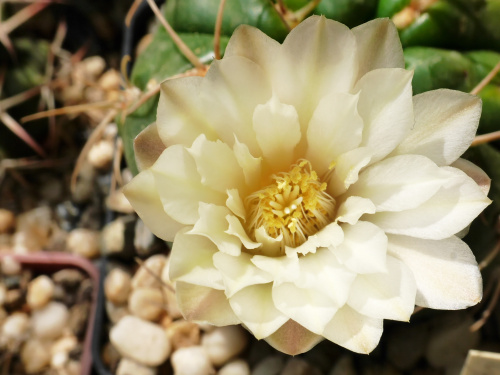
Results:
x,y
308,195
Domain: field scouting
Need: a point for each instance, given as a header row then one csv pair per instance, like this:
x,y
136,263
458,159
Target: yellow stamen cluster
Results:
x,y
295,206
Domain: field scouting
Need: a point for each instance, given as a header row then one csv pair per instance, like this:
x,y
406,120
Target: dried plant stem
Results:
x,y
96,134
18,130
148,95
131,12
218,28
66,110
481,85
142,264
493,253
485,138
487,312
22,16
19,98
303,12
186,51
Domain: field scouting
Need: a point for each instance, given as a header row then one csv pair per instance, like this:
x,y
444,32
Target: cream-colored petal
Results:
x,y
142,193
335,128
213,225
179,185
191,261
364,248
445,124
284,269
254,306
318,57
449,211
331,235
250,42
230,91
399,183
204,305
386,106
474,172
323,272
236,229
354,331
147,147
293,339
378,46
388,295
250,165
353,208
180,118
239,272
346,170
308,307
216,164
270,246
235,204
277,130
446,271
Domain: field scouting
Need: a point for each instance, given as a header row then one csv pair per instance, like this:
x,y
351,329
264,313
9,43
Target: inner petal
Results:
x,y
293,207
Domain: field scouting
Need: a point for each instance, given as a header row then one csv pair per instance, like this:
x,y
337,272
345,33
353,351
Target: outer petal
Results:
x,y
142,194
346,170
216,164
319,56
323,272
250,42
284,269
293,339
474,172
364,248
449,211
204,305
399,183
180,118
335,128
385,104
354,331
191,261
230,91
148,147
379,46
446,271
445,124
308,307
277,129
389,295
255,307
179,185
213,225
239,272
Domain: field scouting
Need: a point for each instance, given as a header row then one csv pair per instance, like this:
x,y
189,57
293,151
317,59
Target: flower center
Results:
x,y
294,207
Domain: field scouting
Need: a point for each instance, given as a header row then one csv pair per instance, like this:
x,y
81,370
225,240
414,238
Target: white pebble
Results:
x,y
10,266
236,367
15,326
116,312
83,242
49,322
117,286
113,237
129,367
35,356
7,220
146,303
64,344
183,333
224,343
59,360
149,274
40,292
140,340
192,360
100,154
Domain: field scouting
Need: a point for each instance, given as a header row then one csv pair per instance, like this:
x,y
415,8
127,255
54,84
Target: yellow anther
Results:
x,y
295,206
